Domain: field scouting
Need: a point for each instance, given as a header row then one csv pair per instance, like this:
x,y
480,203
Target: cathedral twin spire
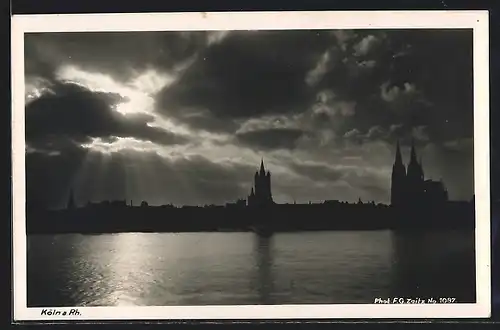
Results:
x,y
407,182
413,155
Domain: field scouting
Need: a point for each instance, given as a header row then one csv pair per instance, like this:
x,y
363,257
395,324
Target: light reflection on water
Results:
x,y
154,269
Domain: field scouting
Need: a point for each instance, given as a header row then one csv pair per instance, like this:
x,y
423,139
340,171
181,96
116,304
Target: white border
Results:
x,y
477,20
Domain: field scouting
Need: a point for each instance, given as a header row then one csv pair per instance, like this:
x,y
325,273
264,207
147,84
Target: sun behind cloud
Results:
x,y
138,93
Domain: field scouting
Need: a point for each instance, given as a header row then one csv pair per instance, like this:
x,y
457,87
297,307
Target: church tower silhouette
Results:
x,y
260,193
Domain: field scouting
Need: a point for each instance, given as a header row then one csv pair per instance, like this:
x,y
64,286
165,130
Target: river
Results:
x,y
162,269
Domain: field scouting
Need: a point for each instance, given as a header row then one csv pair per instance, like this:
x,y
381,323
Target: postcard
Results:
x,y
251,165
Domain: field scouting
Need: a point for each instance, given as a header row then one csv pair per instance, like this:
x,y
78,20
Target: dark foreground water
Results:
x,y
241,268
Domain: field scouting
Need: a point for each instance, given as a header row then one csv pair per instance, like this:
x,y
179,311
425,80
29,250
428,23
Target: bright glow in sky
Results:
x,y
139,92
120,143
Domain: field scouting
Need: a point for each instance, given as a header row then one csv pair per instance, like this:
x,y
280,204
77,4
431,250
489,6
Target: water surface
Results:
x,y
161,269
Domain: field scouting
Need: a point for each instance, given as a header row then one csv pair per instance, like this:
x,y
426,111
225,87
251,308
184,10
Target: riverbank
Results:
x,y
276,219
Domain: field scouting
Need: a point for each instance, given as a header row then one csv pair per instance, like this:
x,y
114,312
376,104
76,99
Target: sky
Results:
x,y
186,117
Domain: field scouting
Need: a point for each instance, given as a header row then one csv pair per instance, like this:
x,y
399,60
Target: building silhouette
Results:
x,y
409,186
260,194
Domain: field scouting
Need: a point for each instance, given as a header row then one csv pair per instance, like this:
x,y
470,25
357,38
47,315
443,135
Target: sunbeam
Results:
x,y
83,184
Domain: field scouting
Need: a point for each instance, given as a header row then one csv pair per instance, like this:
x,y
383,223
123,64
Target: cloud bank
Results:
x,y
186,117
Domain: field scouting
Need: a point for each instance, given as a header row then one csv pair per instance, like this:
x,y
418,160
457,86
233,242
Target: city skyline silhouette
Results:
x,y
406,188
417,202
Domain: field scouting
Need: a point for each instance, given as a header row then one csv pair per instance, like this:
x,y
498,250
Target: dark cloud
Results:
x,y
324,107
250,73
271,138
202,119
120,54
404,134
73,112
413,76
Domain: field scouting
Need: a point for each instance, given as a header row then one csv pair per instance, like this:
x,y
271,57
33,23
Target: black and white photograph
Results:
x,y
251,166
